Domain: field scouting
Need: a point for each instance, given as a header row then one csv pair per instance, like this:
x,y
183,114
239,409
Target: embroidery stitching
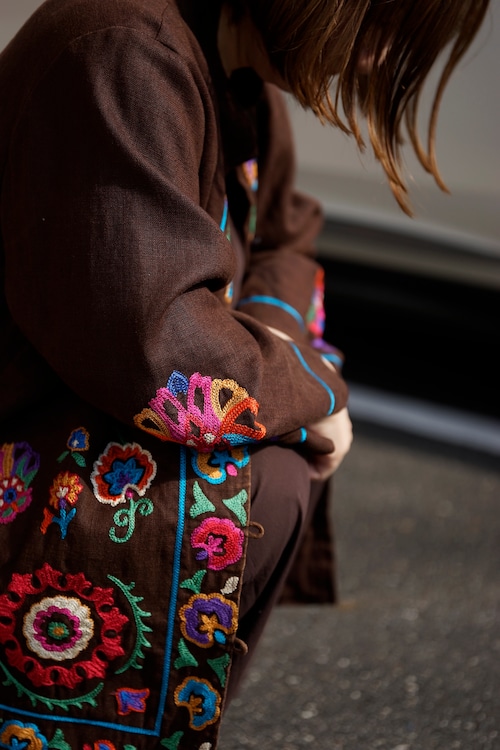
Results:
x,y
64,493
220,542
19,464
202,413
77,443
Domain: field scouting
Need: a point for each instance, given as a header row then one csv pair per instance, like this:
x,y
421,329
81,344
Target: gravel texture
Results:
x,y
410,659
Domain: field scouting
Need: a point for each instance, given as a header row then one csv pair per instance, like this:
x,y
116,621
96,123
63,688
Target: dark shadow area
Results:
x,y
417,336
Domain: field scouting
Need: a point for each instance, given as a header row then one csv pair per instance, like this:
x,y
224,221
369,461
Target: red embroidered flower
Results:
x,y
120,469
219,541
72,626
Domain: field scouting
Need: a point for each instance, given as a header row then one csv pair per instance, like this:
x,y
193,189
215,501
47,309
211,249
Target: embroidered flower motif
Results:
x,y
80,621
77,443
17,735
100,745
202,413
201,700
18,466
251,171
220,542
122,468
130,700
65,491
79,440
58,628
215,467
207,619
315,318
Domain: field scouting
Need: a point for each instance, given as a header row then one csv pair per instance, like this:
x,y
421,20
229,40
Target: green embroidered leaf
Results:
x,y
235,505
202,503
173,742
51,703
80,460
129,747
58,742
63,456
138,613
220,666
186,658
194,583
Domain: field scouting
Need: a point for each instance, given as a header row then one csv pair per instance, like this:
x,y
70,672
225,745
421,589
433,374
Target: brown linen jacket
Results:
x,y
137,361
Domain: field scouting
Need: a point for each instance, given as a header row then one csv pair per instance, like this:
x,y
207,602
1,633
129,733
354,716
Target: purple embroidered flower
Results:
x,y
207,619
201,700
220,542
130,700
202,413
18,466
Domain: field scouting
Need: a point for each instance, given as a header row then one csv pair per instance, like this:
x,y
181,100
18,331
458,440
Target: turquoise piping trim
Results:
x,y
316,377
333,358
264,300
176,571
223,221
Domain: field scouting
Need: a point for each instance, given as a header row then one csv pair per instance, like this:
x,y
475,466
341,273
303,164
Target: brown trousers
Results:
x,y
293,561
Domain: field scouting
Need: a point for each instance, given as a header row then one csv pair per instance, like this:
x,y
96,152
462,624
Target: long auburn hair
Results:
x,y
316,43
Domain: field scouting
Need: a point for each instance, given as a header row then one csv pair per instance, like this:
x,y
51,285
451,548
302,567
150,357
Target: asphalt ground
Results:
x,y
410,658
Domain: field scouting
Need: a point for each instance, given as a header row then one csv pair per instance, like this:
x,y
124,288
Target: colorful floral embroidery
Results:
x,y
100,745
207,619
65,491
130,700
251,172
21,736
59,627
315,317
122,468
220,542
217,466
18,466
202,413
77,443
201,700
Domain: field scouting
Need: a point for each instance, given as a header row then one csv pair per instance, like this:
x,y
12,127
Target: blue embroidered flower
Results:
x,y
201,700
215,467
17,735
78,440
123,474
120,469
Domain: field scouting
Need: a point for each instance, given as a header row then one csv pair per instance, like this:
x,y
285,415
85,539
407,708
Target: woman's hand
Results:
x,y
338,429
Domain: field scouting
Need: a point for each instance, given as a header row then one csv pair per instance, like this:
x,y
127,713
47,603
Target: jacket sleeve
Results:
x,y
283,277
114,269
